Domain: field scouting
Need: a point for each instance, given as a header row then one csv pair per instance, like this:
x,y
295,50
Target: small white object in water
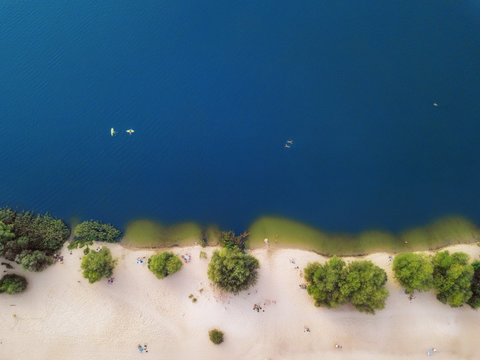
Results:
x,y
112,132
435,104
130,131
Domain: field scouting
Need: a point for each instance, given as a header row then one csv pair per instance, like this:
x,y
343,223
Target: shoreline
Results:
x,y
61,314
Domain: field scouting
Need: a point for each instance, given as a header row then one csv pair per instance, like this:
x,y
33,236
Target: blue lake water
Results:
x,y
214,89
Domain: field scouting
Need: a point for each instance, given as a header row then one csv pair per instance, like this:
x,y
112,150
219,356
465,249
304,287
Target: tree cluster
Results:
x,y
30,239
232,270
96,265
89,231
360,283
453,279
164,264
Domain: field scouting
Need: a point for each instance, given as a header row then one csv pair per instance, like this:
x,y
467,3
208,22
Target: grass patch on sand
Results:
x,y
284,232
149,233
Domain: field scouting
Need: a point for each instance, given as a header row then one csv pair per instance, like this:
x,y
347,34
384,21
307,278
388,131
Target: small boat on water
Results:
x,y
130,131
112,132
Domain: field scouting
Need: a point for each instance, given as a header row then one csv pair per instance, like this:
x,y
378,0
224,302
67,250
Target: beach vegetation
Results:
x,y
216,336
365,285
86,251
12,284
413,271
232,270
24,233
99,264
452,277
33,260
360,283
325,282
474,300
164,264
203,255
89,231
230,240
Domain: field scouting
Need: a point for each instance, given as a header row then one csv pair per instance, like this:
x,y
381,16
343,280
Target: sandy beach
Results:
x,y
62,316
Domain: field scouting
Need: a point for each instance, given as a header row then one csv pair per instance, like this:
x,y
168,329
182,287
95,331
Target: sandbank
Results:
x,y
62,316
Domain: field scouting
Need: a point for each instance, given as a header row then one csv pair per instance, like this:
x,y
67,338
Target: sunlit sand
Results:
x,y
62,316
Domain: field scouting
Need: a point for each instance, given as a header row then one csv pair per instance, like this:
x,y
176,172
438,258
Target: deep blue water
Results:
x,y
214,89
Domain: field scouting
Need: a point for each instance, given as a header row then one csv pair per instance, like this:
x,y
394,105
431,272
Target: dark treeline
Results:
x,y
29,239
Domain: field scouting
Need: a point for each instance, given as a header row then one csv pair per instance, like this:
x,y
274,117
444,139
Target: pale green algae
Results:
x,y
284,232
150,233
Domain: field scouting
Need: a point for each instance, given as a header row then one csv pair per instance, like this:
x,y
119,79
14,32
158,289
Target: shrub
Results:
x,y
96,265
474,301
452,278
89,231
164,264
232,270
32,260
12,284
203,255
216,336
86,251
413,272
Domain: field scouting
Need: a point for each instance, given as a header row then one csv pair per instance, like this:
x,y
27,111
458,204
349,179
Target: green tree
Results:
x,y
6,232
7,215
474,301
12,284
6,237
232,270
32,260
452,277
216,336
325,282
364,285
413,271
89,231
164,264
96,265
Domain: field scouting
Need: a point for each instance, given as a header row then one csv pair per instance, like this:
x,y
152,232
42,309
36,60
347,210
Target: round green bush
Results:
x,y
12,284
96,265
164,264
232,270
216,336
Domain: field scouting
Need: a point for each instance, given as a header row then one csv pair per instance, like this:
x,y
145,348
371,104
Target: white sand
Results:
x,y
62,316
